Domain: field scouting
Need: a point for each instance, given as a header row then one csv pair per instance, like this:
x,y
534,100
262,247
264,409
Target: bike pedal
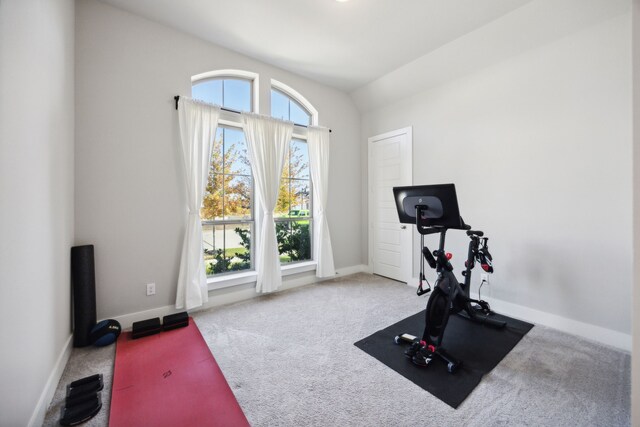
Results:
x,y
421,360
413,350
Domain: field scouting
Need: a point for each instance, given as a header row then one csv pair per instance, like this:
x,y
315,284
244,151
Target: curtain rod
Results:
x,y
177,98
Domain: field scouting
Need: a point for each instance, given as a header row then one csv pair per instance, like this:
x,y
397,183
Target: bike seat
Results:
x,y
475,233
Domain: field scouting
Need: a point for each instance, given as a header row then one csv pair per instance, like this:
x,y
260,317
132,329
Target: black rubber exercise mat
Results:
x,y
480,348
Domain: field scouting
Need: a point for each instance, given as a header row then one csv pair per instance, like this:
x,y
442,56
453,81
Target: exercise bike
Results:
x,y
434,210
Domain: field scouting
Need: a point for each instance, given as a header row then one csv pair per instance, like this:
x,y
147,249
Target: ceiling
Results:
x,y
342,44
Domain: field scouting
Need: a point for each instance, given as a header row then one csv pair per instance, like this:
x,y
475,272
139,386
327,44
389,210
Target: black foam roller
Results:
x,y
83,280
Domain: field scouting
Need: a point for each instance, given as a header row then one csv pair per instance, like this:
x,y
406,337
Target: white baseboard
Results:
x,y
231,295
595,333
361,268
37,418
588,331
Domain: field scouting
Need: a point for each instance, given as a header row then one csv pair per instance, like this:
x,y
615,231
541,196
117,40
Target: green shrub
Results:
x,y
294,243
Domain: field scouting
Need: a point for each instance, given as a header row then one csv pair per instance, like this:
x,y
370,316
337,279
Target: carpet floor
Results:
x,y
290,360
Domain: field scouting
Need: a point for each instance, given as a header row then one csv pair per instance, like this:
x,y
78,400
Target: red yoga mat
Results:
x,y
170,379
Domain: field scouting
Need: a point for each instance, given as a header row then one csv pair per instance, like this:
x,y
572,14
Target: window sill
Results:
x,y
299,267
251,276
231,280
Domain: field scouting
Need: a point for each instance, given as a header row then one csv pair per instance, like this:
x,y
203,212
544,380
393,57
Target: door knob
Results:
x,y
403,227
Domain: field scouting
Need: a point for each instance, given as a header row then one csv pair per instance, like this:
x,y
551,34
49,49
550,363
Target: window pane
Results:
x,y
237,197
284,199
216,152
208,91
237,94
238,247
279,105
283,235
301,239
300,198
235,148
294,240
299,115
214,260
299,159
212,201
208,242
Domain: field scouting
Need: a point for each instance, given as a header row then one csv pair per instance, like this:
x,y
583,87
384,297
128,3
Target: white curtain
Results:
x,y
198,123
318,143
267,145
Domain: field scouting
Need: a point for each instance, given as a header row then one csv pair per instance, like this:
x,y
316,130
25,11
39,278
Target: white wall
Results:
x,y
539,147
129,184
36,202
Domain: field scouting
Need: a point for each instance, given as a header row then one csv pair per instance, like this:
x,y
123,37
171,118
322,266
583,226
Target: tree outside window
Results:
x,y
227,208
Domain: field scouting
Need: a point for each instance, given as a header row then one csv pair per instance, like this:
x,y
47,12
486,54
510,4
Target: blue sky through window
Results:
x,y
208,91
299,115
237,94
234,94
283,107
234,141
279,105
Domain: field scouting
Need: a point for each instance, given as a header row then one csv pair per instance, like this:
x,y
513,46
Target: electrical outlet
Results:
x,y
151,289
484,277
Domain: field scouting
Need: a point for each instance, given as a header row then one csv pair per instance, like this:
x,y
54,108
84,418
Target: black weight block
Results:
x,y
175,321
145,328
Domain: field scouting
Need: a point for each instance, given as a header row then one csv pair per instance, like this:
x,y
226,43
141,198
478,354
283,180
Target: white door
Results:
x,y
390,165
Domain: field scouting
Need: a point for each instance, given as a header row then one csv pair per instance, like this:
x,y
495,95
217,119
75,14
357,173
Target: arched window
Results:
x,y
227,211
294,210
235,90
